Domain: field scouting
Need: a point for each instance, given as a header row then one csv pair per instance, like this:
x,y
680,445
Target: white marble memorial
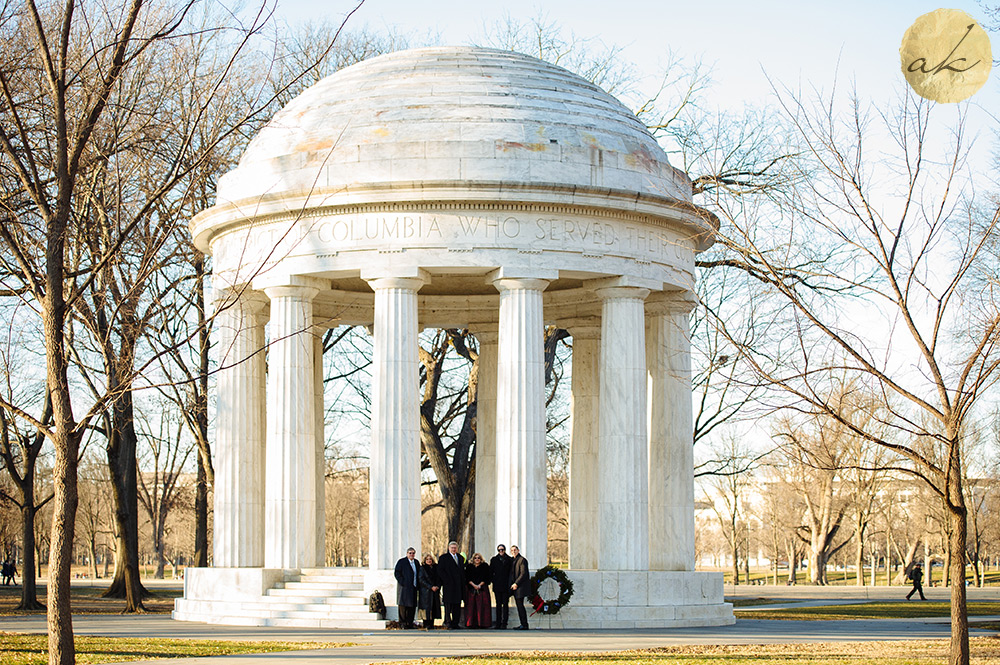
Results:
x,y
456,187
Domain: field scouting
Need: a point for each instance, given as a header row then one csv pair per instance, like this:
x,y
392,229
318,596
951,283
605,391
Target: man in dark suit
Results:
x,y
520,584
500,573
406,588
451,570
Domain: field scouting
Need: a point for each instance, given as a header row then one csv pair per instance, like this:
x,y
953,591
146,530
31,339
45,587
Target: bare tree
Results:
x,y
890,236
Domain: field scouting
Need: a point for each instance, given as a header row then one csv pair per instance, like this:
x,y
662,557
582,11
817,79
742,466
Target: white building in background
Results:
x,y
470,188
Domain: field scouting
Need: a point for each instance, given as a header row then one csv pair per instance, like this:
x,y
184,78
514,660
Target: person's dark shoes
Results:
x,y
521,628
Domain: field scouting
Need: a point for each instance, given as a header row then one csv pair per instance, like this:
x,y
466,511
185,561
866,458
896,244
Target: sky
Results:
x,y
746,43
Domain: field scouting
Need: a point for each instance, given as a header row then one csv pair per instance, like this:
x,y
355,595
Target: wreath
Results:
x,y
561,579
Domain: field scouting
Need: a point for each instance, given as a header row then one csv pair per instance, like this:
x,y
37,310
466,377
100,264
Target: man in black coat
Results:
x,y
451,570
520,584
916,576
406,588
500,570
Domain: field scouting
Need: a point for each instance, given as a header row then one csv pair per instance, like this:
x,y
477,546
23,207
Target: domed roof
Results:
x,y
453,114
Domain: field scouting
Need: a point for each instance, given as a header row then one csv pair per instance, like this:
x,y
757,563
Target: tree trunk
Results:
x,y
959,654
124,484
205,471
29,592
859,555
817,565
955,501
92,548
736,558
201,517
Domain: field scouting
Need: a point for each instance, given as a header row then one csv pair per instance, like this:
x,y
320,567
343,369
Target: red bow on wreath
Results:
x,y
538,604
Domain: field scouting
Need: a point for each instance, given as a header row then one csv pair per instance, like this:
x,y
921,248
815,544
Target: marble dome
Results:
x,y
455,161
454,113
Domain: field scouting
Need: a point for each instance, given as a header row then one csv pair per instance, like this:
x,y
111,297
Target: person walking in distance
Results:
x,y
520,583
451,570
916,576
500,573
406,574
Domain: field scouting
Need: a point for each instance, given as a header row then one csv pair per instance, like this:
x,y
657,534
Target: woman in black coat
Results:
x,y
429,601
477,593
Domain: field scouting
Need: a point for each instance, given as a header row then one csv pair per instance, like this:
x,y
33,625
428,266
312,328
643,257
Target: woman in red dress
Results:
x,y
478,609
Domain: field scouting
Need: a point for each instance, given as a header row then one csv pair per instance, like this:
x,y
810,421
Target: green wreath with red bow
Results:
x,y
551,605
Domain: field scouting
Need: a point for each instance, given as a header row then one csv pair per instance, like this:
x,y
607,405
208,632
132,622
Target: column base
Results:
x,y
641,599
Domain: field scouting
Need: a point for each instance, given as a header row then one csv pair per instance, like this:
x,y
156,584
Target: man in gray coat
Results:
x,y
406,588
520,584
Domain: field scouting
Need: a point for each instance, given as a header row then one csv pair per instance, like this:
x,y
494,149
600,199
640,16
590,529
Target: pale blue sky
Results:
x,y
791,41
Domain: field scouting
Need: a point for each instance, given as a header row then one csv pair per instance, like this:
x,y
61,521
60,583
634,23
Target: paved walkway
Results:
x,y
405,645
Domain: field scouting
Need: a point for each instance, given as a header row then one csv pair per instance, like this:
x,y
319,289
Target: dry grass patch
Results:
x,y
885,610
22,649
985,651
87,600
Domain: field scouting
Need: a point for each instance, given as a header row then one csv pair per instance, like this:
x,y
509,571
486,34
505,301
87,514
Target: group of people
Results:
x,y
428,585
9,572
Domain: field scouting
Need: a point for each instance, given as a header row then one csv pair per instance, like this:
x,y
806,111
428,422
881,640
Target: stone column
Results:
x,y
238,455
486,431
320,413
290,491
394,476
521,504
671,451
583,480
621,459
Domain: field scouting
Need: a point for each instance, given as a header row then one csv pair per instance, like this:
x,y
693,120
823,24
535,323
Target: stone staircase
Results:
x,y
309,598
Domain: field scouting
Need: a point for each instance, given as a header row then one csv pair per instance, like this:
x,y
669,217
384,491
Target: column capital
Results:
x,y
592,331
323,323
393,282
672,302
408,276
626,292
266,282
502,273
503,284
623,281
486,335
243,298
285,291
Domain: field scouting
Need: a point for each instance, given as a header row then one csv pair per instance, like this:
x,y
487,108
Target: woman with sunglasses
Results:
x,y
477,593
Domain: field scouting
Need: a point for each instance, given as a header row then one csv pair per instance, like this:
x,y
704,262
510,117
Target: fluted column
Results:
x,y
486,456
394,476
521,508
583,465
290,491
671,452
320,413
238,453
622,454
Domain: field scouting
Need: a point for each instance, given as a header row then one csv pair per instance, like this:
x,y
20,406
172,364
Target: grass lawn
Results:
x,y
890,610
750,602
87,600
985,651
18,649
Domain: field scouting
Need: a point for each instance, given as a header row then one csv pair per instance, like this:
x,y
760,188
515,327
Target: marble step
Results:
x,y
258,609
242,620
334,589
